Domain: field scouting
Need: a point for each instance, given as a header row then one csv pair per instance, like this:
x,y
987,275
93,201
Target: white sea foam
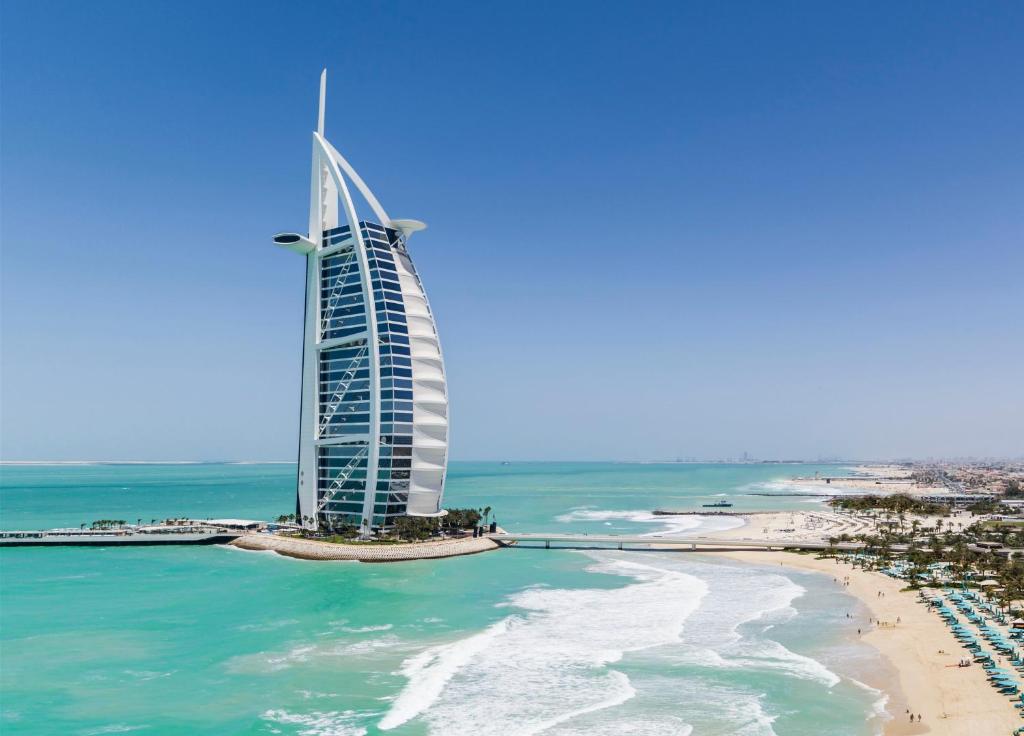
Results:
x,y
148,674
319,723
739,597
269,625
744,712
878,713
274,661
313,695
534,670
669,525
795,487
431,670
366,629
770,655
647,724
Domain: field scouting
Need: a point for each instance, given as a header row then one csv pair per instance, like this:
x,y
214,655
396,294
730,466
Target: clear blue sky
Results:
x,y
656,229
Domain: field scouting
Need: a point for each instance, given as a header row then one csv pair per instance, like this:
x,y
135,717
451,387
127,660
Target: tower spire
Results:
x,y
323,100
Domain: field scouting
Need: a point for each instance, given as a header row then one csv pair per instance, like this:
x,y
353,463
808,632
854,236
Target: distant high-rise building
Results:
x,y
373,427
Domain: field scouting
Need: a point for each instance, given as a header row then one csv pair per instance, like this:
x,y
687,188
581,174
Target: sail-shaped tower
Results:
x,y
373,425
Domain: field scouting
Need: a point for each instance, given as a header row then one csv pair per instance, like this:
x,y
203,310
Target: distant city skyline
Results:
x,y
789,231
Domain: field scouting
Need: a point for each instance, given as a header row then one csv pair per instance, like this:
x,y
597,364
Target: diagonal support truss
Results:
x,y
334,299
342,388
339,481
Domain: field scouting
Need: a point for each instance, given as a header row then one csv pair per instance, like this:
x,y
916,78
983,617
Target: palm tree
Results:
x,y
487,512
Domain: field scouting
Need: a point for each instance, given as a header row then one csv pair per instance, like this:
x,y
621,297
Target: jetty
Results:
x,y
211,531
116,537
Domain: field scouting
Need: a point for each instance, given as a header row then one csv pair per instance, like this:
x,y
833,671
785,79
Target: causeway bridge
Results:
x,y
620,541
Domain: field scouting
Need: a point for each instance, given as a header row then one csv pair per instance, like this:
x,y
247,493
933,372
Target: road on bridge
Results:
x,y
620,541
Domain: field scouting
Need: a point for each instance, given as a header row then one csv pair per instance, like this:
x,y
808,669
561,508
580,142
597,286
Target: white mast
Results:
x,y
323,101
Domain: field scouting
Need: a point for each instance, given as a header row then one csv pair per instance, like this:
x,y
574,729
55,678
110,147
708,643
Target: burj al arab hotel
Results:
x,y
373,427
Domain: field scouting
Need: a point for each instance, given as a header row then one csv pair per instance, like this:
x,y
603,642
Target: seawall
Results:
x,y
310,549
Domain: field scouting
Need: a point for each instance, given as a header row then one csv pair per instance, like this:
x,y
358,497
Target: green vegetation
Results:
x,y
463,518
985,507
899,503
414,528
947,553
405,528
108,524
1000,524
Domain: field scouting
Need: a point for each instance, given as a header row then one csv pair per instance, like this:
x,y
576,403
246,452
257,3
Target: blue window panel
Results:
x,y
349,417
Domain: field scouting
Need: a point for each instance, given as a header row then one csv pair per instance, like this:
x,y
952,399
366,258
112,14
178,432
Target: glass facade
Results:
x,y
346,394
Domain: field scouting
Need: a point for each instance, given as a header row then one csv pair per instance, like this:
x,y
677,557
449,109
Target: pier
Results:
x,y
119,537
621,541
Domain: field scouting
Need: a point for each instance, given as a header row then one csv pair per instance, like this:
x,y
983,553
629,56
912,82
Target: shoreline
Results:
x,y
951,699
310,549
870,479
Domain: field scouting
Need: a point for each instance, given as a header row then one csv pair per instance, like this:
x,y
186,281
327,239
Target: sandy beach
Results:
x,y
952,700
882,479
818,526
795,525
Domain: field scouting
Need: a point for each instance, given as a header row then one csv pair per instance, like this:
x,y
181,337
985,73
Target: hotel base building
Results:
x,y
373,434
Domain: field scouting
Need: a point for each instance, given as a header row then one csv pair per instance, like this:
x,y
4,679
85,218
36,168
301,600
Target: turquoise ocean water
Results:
x,y
212,640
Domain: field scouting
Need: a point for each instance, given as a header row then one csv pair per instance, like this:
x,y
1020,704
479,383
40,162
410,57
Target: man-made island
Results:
x,y
316,549
457,532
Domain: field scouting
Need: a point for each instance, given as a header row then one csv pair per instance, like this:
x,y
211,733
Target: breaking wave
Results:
x,y
549,662
319,723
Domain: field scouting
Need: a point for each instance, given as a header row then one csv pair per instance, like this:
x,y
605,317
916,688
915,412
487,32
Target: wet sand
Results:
x,y
952,700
